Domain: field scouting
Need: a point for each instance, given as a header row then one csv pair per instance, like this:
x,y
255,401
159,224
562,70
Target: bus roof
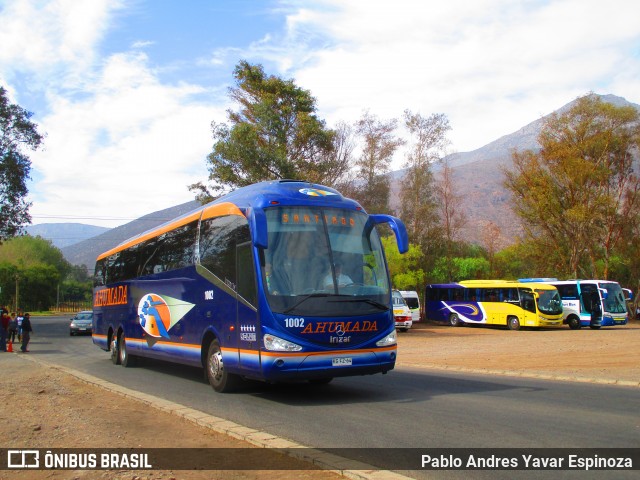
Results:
x,y
240,201
555,281
505,284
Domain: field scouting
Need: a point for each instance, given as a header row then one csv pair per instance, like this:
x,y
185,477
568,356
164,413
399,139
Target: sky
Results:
x,y
126,90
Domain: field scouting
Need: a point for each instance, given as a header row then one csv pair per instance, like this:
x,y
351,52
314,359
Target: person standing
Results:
x,y
26,332
4,328
13,328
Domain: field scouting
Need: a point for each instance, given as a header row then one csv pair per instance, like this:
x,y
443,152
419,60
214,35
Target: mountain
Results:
x,y
64,234
479,179
477,175
85,252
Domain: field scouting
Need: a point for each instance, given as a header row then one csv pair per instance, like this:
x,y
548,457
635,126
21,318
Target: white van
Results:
x,y
413,301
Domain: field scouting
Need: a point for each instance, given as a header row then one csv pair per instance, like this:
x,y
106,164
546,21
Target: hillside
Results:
x,y
479,179
477,176
85,252
64,234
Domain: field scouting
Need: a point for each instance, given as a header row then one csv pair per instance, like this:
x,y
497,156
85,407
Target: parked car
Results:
x,y
401,312
81,323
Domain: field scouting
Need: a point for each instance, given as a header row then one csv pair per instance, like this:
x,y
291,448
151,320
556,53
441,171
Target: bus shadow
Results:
x,y
396,387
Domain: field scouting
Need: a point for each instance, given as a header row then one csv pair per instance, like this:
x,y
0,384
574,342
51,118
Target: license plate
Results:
x,y
341,361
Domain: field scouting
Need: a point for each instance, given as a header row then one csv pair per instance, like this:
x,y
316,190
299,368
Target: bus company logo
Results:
x,y
340,328
108,297
159,313
315,192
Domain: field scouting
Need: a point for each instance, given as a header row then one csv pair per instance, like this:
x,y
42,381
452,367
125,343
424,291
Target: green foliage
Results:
x,y
31,268
579,194
404,270
17,133
275,134
461,268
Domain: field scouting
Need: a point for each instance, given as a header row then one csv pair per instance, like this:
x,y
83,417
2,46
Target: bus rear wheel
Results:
x,y
513,323
454,320
114,350
574,323
218,377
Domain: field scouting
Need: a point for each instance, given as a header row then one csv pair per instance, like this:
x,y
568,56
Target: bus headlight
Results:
x,y
271,342
390,339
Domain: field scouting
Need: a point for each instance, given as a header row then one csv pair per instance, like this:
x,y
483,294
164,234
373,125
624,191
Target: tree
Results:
x,y
31,269
452,217
17,133
379,145
404,269
418,207
578,193
275,134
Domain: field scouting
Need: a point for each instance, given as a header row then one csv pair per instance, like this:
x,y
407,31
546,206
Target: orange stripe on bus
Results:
x,y
211,211
220,210
153,233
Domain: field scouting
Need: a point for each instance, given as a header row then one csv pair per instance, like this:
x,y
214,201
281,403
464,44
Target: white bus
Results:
x,y
590,303
413,301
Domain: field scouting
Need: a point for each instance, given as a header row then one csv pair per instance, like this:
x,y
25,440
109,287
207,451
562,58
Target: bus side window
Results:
x,y
99,273
218,239
246,274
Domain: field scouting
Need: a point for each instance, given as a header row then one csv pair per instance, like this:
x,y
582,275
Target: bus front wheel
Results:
x,y
126,360
513,323
218,377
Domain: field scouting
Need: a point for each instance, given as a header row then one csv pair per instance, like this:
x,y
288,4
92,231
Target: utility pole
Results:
x,y
17,291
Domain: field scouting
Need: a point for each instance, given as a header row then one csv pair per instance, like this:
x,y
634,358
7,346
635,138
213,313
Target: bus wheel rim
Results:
x,y
216,366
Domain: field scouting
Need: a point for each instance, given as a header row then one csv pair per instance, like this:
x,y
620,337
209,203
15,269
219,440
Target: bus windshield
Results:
x,y
323,262
614,303
549,302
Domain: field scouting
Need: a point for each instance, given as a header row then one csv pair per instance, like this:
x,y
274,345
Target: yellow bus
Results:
x,y
494,302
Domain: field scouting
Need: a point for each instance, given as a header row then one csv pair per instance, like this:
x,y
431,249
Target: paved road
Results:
x,y
408,408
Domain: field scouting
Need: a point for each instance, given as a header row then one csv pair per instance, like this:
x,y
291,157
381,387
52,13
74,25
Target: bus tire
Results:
x,y
574,323
218,377
115,350
126,360
513,323
454,320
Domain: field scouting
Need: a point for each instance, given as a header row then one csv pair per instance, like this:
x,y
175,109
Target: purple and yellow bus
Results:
x,y
281,280
494,302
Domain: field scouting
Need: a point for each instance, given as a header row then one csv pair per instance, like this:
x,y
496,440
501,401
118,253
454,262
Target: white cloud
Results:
x,y
491,66
41,37
121,143
129,148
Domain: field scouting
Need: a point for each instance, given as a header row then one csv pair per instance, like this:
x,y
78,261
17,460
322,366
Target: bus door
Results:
x,y
528,304
589,299
247,324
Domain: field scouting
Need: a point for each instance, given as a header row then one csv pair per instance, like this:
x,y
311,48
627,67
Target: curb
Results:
x,y
515,373
325,461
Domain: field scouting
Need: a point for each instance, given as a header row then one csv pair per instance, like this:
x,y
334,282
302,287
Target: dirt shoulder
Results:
x,y
53,409
607,355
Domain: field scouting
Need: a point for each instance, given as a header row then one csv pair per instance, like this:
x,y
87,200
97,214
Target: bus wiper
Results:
x,y
305,298
379,305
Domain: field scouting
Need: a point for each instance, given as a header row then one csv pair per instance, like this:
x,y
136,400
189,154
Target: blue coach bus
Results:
x,y
281,280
